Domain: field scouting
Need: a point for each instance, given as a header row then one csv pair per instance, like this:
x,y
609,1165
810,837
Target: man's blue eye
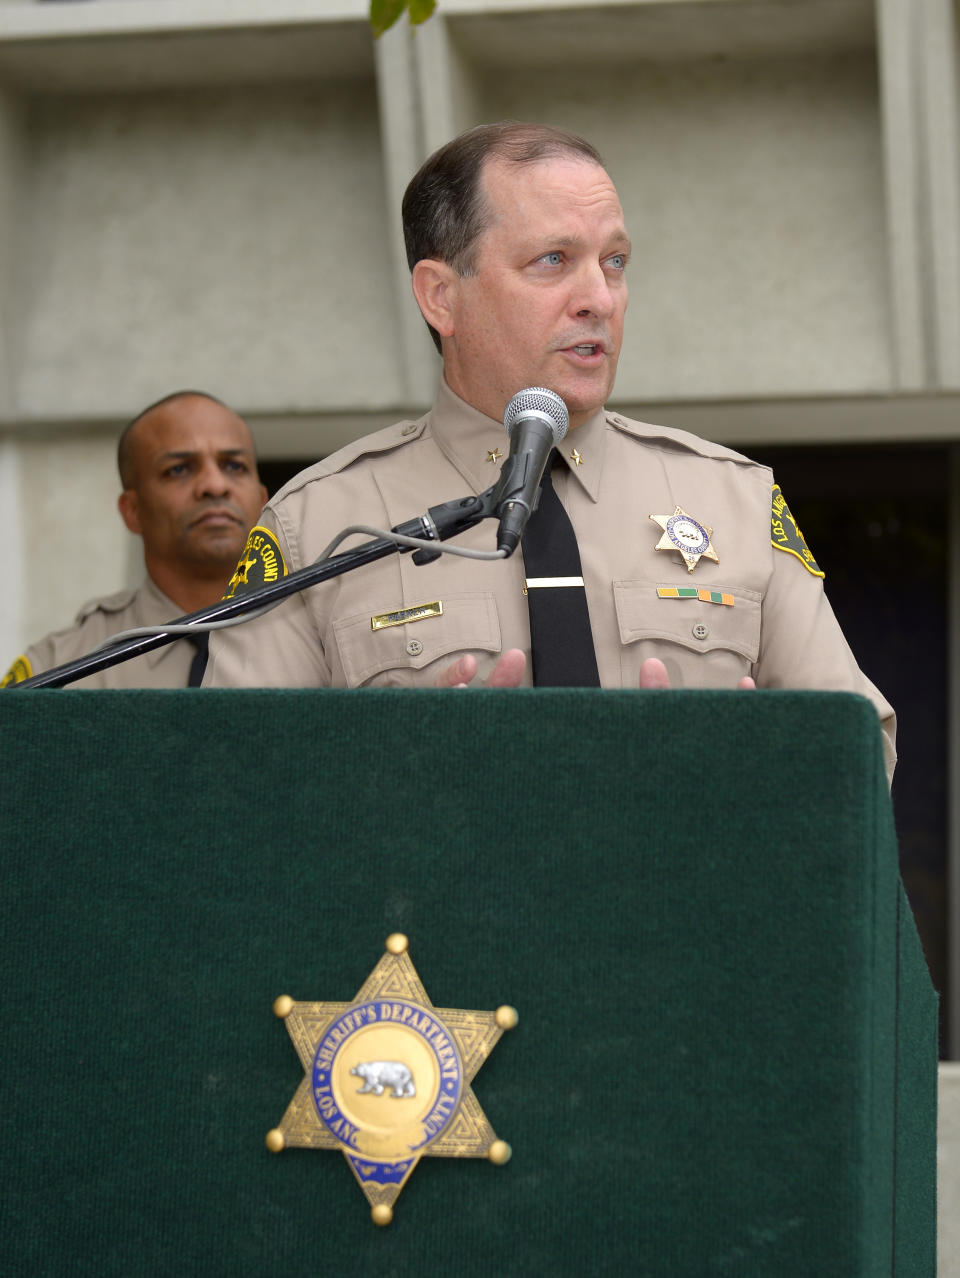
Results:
x,y
618,261
553,258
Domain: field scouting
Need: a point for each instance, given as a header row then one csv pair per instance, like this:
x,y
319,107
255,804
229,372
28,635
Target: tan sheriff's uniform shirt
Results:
x,y
166,667
774,621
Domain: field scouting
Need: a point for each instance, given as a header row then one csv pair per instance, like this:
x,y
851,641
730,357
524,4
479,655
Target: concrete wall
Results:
x,y
72,549
754,195
234,239
10,224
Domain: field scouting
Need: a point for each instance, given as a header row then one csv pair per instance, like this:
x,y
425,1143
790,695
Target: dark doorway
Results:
x,y
876,518
274,474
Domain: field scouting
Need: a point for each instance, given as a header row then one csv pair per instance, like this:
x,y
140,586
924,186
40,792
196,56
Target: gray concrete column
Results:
x,y
11,615
401,139
948,1172
901,111
953,759
448,90
919,60
940,58
10,179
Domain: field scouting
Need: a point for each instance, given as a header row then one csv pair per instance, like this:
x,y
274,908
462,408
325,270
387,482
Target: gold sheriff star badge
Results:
x,y
387,1079
684,533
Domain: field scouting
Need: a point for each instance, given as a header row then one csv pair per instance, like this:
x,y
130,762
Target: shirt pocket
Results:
x,y
718,617
393,654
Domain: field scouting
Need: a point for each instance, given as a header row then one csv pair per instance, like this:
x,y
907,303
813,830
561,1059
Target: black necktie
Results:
x,y
199,663
561,644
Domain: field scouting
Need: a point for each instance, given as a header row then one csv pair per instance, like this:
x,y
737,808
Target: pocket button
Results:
x,y
701,630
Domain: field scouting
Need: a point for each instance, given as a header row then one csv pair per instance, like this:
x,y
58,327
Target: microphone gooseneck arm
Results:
x,y
438,524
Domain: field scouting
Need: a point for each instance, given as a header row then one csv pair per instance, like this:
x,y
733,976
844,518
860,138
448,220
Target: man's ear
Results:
x,y
436,286
129,513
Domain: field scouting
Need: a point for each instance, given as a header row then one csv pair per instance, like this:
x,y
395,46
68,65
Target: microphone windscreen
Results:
x,y
542,402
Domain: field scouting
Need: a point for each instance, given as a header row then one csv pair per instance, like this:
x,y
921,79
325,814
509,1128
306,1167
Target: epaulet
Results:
x,y
107,603
381,441
671,437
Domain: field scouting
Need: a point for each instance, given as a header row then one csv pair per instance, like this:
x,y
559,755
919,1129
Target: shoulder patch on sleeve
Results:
x,y
20,670
261,563
785,534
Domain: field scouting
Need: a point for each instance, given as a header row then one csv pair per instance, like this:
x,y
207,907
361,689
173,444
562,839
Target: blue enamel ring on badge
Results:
x,y
687,535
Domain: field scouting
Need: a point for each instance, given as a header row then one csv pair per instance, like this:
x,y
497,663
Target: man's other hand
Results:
x,y
507,673
653,674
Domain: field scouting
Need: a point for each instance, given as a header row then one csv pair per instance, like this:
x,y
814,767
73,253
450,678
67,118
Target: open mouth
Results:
x,y
586,349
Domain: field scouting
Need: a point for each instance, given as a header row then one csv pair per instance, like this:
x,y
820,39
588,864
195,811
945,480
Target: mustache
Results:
x,y
219,508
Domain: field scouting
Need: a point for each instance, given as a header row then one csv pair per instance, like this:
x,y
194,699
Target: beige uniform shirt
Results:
x,y
166,667
775,623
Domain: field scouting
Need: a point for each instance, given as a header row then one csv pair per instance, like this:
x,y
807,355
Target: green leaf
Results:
x,y
420,10
384,13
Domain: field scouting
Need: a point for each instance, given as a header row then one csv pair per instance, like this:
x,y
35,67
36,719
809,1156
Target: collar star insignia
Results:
x,y
684,533
576,457
387,1079
494,454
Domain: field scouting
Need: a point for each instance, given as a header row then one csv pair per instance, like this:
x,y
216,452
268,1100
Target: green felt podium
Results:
x,y
727,1049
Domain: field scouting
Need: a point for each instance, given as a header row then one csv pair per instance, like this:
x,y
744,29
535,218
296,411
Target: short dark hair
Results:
x,y
125,463
444,213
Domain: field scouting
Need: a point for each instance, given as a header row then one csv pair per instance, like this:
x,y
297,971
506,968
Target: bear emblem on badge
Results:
x,y
380,1074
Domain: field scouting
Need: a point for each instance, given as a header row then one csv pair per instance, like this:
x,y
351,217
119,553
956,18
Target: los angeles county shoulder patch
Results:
x,y
20,670
261,563
786,535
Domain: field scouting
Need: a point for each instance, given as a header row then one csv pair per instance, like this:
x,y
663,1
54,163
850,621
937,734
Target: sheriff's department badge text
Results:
x,y
387,1079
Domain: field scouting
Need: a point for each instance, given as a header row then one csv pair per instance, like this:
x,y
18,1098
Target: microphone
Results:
x,y
536,419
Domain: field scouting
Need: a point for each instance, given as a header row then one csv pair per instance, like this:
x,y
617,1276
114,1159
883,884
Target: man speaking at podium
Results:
x,y
683,568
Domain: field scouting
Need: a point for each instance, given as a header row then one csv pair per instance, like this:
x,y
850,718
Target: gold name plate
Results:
x,y
383,620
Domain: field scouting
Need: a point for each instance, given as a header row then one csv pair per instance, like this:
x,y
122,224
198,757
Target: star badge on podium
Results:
x,y
387,1079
